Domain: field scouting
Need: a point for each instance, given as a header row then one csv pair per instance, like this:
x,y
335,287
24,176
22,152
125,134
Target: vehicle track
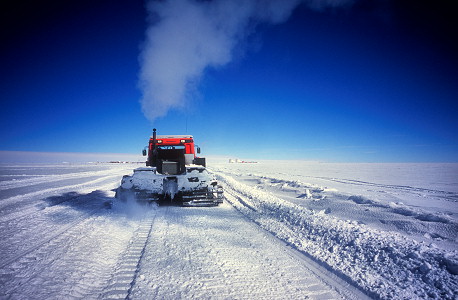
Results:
x,y
26,261
75,262
28,202
442,194
216,253
32,227
341,283
52,185
21,263
35,180
126,272
31,180
61,230
10,204
448,196
346,247
343,287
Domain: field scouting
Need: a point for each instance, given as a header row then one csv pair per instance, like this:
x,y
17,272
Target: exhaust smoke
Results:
x,y
185,37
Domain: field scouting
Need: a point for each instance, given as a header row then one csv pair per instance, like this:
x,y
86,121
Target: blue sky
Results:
x,y
375,81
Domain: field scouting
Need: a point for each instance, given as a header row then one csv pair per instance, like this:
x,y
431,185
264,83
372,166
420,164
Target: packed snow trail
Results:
x,y
215,253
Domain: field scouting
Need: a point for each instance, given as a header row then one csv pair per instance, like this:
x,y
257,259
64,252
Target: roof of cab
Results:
x,y
173,137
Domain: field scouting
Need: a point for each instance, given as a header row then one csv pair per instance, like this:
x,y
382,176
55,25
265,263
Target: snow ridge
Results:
x,y
385,265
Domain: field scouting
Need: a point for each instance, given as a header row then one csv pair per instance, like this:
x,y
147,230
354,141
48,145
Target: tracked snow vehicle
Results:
x,y
173,173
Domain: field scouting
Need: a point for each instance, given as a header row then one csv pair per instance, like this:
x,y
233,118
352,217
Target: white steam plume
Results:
x,y
187,36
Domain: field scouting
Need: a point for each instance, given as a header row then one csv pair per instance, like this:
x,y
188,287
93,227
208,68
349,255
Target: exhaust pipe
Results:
x,y
154,150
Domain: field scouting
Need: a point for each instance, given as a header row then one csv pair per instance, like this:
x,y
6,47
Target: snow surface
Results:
x,y
287,230
391,228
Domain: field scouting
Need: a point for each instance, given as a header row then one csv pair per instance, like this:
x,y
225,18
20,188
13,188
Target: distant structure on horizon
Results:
x,y
238,161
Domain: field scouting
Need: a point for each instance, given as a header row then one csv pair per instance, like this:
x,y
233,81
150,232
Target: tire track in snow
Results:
x,y
344,288
27,267
17,270
126,273
385,265
75,264
266,217
216,253
61,230
448,196
27,203
380,209
30,189
419,191
45,179
93,180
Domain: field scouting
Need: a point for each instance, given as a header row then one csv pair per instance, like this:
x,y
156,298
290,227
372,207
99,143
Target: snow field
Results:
x,y
65,237
19,197
287,230
330,226
60,246
74,264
